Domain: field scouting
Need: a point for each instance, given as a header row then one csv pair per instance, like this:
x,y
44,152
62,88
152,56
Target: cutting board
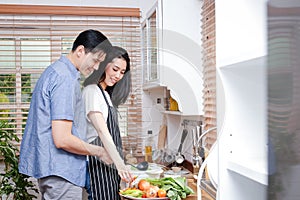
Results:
x,y
162,137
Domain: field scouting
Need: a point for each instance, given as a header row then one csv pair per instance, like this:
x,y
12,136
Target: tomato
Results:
x,y
151,192
143,185
161,193
144,195
156,188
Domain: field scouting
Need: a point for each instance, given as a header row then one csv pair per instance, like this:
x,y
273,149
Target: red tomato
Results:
x,y
151,192
161,193
143,185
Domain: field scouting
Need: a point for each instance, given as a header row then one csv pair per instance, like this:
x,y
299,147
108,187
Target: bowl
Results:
x,y
176,169
154,173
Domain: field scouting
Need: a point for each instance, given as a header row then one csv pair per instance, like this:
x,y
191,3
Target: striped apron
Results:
x,y
104,179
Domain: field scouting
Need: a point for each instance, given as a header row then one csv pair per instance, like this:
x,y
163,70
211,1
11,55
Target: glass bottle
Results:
x,y
148,147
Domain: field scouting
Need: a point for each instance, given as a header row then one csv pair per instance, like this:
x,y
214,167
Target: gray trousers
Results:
x,y
57,188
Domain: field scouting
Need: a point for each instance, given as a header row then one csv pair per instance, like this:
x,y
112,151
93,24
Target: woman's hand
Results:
x,y
124,173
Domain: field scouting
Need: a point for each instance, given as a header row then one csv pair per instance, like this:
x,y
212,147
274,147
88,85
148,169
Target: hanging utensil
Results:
x,y
168,157
179,158
197,159
200,144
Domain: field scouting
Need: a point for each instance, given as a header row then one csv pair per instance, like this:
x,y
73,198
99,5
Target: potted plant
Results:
x,y
13,184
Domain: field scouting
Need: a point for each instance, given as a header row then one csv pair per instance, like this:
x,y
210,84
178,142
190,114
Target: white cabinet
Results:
x,y
241,49
172,52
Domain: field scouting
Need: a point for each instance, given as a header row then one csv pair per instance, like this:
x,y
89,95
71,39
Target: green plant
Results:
x,y
13,184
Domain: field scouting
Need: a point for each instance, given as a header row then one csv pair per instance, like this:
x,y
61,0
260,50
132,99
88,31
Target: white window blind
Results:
x,y
29,43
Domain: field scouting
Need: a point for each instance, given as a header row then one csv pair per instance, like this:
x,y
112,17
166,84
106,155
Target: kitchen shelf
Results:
x,y
249,169
152,86
169,112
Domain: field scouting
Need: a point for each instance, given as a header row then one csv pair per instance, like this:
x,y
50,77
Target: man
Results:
x,y
52,149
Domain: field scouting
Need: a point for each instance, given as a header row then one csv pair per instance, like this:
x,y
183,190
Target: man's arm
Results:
x,y
63,139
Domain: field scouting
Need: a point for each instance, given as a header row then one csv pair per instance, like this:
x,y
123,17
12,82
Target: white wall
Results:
x,y
240,31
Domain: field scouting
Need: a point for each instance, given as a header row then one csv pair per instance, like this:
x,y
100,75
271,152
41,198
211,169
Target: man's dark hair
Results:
x,y
93,41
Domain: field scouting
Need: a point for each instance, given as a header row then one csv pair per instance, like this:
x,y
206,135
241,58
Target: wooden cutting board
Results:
x,y
162,137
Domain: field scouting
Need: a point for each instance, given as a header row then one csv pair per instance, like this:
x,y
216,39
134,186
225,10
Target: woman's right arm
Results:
x,y
99,124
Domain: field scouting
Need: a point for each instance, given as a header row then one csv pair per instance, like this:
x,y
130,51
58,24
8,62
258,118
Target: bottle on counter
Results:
x,y
148,146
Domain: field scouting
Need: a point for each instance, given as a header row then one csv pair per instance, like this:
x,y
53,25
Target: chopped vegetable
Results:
x,y
133,192
176,188
173,188
161,193
143,185
151,192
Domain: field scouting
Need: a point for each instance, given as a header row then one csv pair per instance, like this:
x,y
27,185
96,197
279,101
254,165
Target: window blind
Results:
x,y
29,43
209,70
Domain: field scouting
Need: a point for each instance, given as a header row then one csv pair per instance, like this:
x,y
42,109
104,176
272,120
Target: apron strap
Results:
x,y
103,94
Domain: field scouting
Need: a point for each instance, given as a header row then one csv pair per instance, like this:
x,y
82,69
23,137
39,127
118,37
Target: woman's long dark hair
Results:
x,y
120,91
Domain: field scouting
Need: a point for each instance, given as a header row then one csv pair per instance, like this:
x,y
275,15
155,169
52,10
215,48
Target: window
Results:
x,y
150,48
29,43
152,53
144,53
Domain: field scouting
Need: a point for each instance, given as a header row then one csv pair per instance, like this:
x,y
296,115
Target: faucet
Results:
x,y
198,155
204,133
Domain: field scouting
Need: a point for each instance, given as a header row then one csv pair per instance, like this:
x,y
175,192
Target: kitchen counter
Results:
x,y
193,185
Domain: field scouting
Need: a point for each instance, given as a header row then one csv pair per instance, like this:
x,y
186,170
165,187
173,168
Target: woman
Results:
x,y
104,90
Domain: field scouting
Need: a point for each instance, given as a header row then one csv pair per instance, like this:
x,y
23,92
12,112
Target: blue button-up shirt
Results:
x,y
57,96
